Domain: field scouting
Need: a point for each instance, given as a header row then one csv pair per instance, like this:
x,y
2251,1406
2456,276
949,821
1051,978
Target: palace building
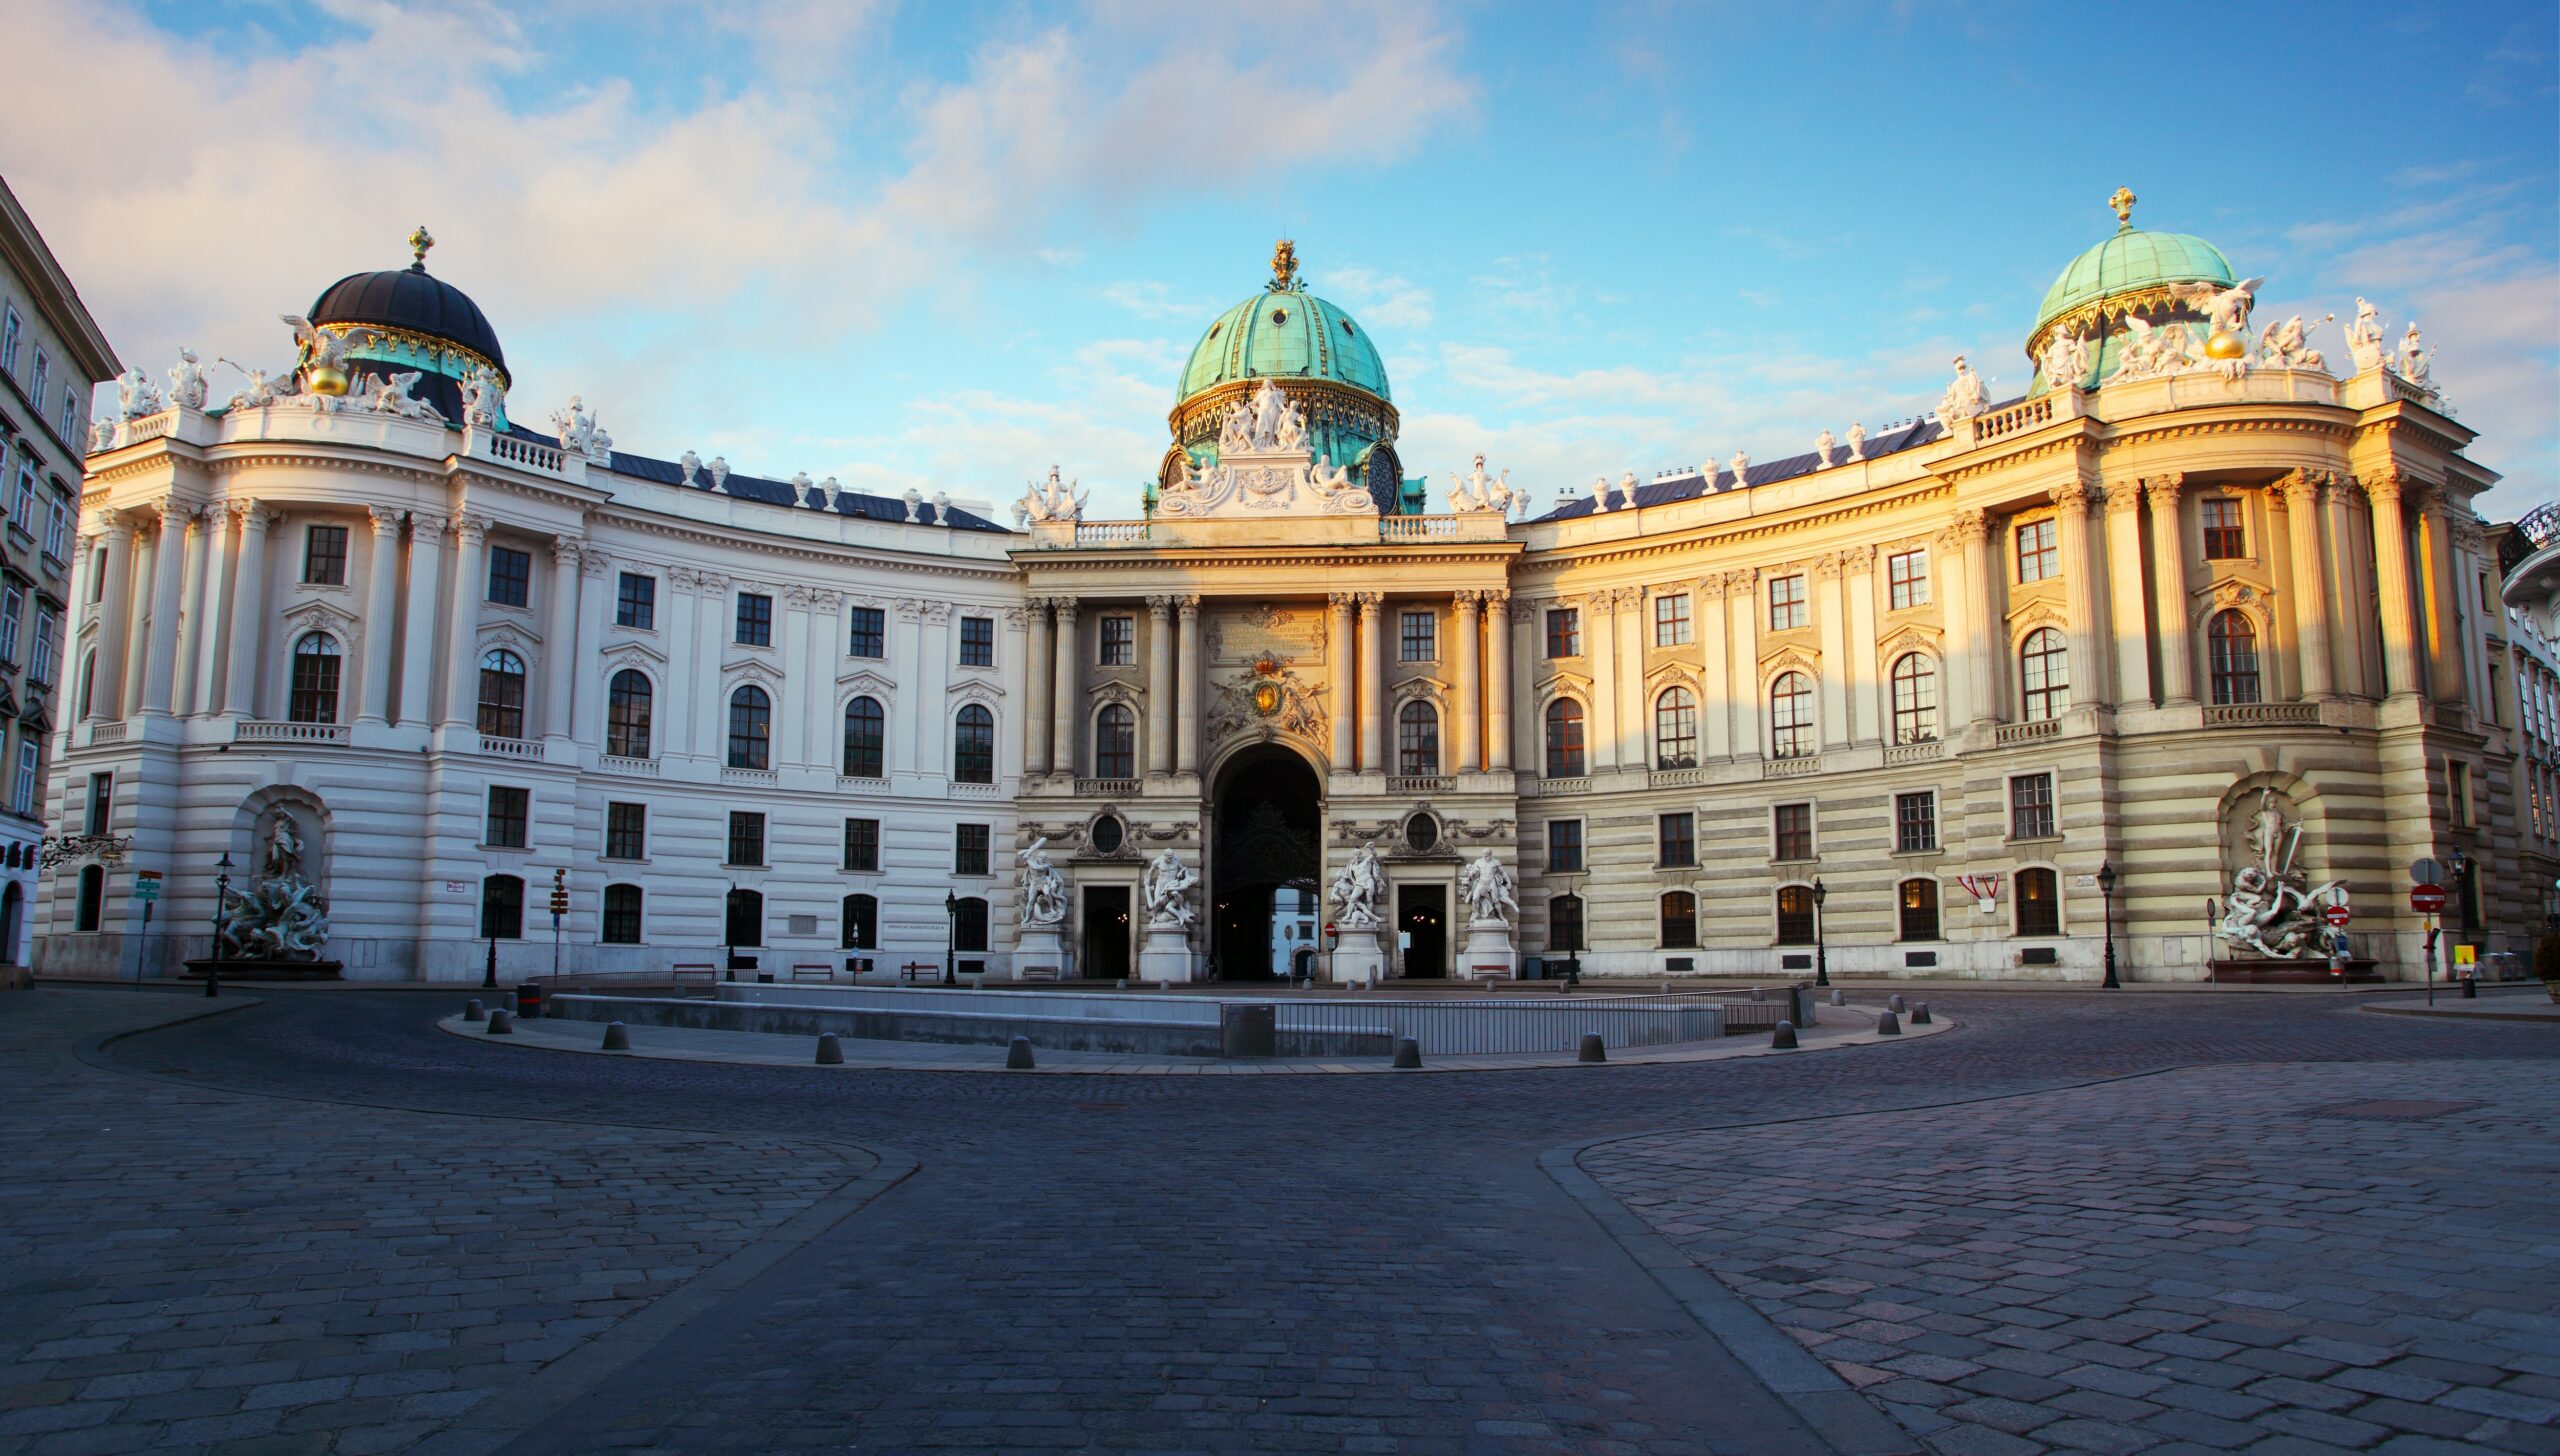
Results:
x,y
1978,694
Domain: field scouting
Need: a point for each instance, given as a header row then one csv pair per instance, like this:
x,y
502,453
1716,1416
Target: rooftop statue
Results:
x,y
1168,890
1965,396
137,396
2226,309
2364,338
1600,494
1857,441
913,499
187,386
1822,444
719,468
482,394
2066,361
390,395
690,464
2283,345
1741,468
579,434
2413,356
260,391
2150,352
1051,500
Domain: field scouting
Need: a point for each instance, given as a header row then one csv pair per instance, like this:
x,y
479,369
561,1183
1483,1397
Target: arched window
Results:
x,y
1417,740
1564,924
621,915
2044,674
1791,716
1915,698
969,924
627,711
502,908
2039,902
1795,915
750,728
1675,729
2234,648
1115,743
315,680
93,898
1565,758
1679,921
743,919
973,746
865,739
861,922
502,694
1919,909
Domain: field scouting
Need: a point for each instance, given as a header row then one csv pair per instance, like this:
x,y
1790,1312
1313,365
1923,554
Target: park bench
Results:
x,y
687,977
917,973
812,971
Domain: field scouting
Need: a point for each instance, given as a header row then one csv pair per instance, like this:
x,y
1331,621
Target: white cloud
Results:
x,y
1380,300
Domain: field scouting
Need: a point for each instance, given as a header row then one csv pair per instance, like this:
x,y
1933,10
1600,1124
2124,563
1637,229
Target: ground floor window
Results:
x,y
969,925
861,922
1679,921
1795,915
622,914
1564,923
1919,909
502,908
2039,902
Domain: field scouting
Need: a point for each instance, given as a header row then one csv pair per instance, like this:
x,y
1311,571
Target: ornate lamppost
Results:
x,y
2107,896
1821,949
950,935
221,898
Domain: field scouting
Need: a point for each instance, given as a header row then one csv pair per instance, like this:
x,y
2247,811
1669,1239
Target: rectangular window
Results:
x,y
746,838
1915,822
1419,641
1564,846
1671,620
1119,641
969,849
626,831
2037,560
870,633
2224,537
22,504
102,799
862,845
1679,921
40,671
1564,923
755,620
13,605
635,602
35,391
71,416
1907,579
1676,838
22,793
1786,602
502,908
507,813
1919,909
1564,631
977,641
1791,831
2039,902
57,531
621,915
324,556
2457,792
9,341
510,576
2031,806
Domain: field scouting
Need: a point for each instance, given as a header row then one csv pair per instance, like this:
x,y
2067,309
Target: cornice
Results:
x,y
1930,489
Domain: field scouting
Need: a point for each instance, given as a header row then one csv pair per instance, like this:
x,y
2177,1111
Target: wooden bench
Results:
x,y
917,973
706,977
813,971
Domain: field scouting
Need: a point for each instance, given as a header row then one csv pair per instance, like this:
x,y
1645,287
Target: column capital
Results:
x,y
1342,601
2164,489
565,550
1160,607
594,562
1493,596
2341,488
1972,524
1467,600
822,599
253,515
2072,496
1826,567
2124,495
1189,602
470,528
1065,607
1859,558
385,518
1524,610
911,609
1628,598
1369,602
1743,581
425,527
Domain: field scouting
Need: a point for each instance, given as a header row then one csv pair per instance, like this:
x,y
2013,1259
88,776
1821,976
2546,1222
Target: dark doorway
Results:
x,y
1106,932
12,900
745,918
1422,913
1263,848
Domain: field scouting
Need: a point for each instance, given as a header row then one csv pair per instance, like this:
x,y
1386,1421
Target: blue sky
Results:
x,y
951,245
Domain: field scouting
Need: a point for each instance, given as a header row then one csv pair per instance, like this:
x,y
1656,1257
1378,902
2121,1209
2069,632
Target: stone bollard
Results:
x,y
1408,1053
1593,1048
617,1037
1888,1024
1017,1058
1919,1013
1896,1006
474,1012
1784,1038
1839,997
830,1050
501,1024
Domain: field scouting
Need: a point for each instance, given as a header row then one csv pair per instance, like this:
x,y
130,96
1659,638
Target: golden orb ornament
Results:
x,y
1266,698
2224,344
325,379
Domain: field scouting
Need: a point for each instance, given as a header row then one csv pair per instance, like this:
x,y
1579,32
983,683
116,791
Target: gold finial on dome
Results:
x,y
1284,266
419,241
2123,202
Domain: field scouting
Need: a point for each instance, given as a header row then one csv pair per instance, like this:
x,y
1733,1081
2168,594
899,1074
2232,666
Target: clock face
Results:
x,y
1266,698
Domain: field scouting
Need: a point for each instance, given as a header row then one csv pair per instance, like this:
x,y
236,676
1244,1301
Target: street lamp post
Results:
x,y
1821,948
2107,896
221,898
950,935
729,933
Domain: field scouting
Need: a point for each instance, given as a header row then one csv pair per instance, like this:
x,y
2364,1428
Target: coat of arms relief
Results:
x,y
1268,700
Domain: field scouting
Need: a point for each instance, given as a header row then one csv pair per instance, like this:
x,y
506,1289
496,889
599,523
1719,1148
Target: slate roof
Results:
x,y
1667,489
772,492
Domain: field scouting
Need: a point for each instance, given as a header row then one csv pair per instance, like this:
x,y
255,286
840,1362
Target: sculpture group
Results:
x,y
2271,910
280,916
1263,468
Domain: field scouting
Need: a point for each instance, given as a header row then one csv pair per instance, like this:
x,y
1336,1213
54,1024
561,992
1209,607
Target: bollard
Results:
x,y
1408,1053
1121,985
1784,1038
1755,993
501,1024
1888,1024
1017,1058
472,1012
1666,988
1593,1048
1895,1005
830,1050
1839,997
617,1037
1919,1013
2471,988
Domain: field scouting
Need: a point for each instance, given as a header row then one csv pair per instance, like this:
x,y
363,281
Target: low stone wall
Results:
x,y
1048,1033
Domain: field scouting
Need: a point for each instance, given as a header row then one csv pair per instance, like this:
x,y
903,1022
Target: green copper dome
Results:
x,y
1284,334
2130,260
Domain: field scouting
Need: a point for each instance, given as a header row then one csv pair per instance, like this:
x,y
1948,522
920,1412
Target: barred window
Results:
x,y
502,908
861,922
1564,923
1918,919
1679,920
2039,903
1795,915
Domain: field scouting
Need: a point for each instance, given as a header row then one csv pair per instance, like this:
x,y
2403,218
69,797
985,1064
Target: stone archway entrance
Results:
x,y
1265,856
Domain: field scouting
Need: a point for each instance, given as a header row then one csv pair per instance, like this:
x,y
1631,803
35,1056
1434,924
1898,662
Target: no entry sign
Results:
x,y
2426,899
2335,914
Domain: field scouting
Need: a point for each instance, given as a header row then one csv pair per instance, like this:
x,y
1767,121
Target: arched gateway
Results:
x,y
1265,859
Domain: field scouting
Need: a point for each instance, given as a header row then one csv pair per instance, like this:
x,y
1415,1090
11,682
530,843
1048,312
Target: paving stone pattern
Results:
x,y
2269,1259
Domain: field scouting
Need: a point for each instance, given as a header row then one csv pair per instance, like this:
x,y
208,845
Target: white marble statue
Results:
x,y
719,469
2153,351
1327,477
1269,407
324,348
913,499
1485,884
2414,355
187,387
280,916
102,433
2226,310
1822,444
1740,464
1477,491
1355,891
1055,499
390,394
690,464
1235,429
136,396
481,396
1168,890
2284,345
579,433
260,390
2364,338
1857,441
1966,396
1043,888
2270,909
2065,361
1265,420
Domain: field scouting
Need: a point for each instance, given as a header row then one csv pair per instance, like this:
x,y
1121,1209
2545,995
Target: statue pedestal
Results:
x,y
1165,955
1039,950
1357,960
1488,951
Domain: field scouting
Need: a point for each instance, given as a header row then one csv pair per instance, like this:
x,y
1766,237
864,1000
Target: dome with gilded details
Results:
x,y
1284,333
2135,274
414,303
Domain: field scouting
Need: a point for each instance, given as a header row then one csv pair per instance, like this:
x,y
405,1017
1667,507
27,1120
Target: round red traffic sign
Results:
x,y
2335,914
2426,899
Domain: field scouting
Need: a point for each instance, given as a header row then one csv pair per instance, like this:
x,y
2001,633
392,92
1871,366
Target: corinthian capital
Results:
x,y
2073,496
2124,495
1972,525
2164,489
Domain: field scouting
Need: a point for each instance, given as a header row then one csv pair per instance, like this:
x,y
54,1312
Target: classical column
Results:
x,y
222,565
1339,657
381,599
1866,702
1497,679
1064,692
1951,589
462,632
714,624
248,610
1743,608
135,605
1600,640
2302,490
559,639
1715,672
2125,615
2089,674
2436,558
191,610
418,618
168,582
106,679
1635,716
1831,621
595,577
1187,687
790,713
933,727
1469,726
686,679
1160,690
2355,647
1037,657
2169,576
1373,686
2399,604
1983,647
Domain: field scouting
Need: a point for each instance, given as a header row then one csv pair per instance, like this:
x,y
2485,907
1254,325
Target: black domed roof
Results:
x,y
412,299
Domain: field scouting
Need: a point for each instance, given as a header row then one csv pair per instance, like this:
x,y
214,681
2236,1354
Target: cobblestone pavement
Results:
x,y
1245,1264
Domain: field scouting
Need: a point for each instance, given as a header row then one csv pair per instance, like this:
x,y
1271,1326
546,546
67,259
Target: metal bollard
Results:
x,y
1408,1053
501,1024
830,1050
617,1037
473,1012
1888,1024
1919,1013
1839,997
1784,1038
1896,1006
1593,1048
1017,1058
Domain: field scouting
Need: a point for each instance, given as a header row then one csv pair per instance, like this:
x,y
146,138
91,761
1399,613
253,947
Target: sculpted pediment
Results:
x,y
863,679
